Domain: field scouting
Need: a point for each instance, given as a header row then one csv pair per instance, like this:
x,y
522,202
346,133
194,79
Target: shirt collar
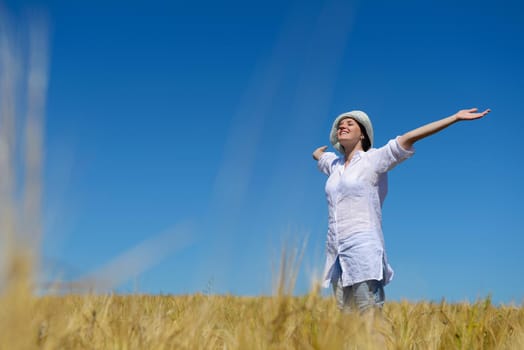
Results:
x,y
356,156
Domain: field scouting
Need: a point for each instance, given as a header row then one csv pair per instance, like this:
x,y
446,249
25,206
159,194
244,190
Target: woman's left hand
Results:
x,y
408,139
471,114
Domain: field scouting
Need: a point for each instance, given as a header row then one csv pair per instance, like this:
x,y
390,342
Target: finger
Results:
x,y
482,114
472,110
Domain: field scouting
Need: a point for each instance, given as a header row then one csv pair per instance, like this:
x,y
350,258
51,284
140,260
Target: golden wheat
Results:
x,y
231,322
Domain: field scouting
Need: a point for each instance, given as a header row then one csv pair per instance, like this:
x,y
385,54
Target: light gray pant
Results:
x,y
360,296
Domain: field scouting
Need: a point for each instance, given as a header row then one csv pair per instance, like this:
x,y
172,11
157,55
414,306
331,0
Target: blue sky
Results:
x,y
190,126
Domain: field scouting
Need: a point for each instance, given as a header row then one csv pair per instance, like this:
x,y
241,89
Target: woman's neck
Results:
x,y
350,152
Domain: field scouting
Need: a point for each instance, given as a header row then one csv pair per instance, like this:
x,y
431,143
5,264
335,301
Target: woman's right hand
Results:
x,y
318,152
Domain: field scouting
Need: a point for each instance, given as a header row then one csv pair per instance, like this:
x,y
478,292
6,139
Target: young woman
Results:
x,y
356,264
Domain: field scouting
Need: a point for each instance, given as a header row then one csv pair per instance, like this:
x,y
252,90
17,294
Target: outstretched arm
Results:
x,y
407,140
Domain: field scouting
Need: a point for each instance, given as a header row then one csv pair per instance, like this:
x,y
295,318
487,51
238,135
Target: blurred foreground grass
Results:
x,y
231,322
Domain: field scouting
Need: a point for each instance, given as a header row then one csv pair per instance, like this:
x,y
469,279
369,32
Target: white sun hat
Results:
x,y
360,117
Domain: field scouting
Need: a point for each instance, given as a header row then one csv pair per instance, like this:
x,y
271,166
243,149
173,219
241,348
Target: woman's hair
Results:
x,y
366,144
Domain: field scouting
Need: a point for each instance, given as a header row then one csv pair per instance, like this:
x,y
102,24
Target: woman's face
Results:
x,y
348,131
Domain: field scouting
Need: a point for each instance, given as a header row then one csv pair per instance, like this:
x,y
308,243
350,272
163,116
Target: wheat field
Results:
x,y
202,321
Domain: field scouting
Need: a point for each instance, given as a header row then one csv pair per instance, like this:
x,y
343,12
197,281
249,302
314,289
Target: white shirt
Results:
x,y
355,195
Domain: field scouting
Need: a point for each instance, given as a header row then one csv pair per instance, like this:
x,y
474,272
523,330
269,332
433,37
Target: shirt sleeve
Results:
x,y
325,162
387,157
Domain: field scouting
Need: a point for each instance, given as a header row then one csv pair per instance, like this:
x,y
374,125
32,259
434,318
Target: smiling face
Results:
x,y
344,131
349,132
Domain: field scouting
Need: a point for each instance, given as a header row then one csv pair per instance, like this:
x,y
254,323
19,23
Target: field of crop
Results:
x,y
232,322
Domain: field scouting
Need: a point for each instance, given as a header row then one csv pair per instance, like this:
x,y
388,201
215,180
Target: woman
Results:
x,y
356,264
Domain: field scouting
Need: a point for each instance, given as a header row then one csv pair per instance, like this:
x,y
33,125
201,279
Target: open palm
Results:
x,y
471,114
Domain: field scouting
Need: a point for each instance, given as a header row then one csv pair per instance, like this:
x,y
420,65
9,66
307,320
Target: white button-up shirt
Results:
x,y
355,195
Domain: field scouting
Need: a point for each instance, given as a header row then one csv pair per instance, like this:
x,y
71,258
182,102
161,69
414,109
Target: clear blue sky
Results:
x,y
198,118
